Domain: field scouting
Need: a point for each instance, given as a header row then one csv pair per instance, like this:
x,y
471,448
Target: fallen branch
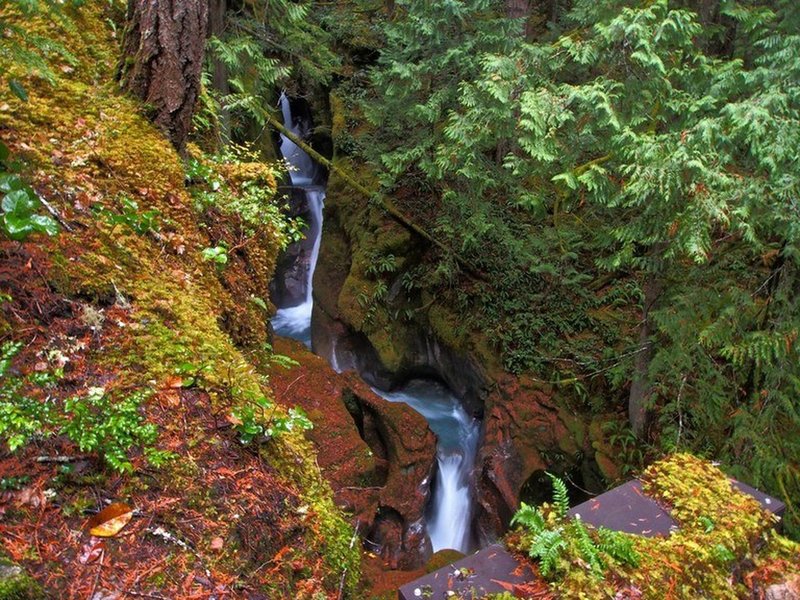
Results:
x,y
97,577
59,459
56,215
387,204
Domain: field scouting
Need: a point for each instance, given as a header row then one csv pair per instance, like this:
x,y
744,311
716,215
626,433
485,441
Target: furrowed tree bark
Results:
x,y
163,49
519,9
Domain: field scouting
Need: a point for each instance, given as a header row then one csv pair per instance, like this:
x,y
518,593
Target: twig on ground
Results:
x,y
344,572
56,215
97,577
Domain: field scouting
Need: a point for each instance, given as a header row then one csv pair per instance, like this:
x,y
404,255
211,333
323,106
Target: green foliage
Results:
x,y
560,495
111,426
265,45
280,360
14,483
28,51
21,417
216,254
385,263
259,417
108,425
191,374
19,217
236,182
138,221
634,145
557,541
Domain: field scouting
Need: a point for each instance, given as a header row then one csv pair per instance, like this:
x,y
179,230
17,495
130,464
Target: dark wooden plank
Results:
x,y
768,503
626,508
491,570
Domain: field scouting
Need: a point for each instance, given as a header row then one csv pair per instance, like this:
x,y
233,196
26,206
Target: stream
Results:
x,y
450,511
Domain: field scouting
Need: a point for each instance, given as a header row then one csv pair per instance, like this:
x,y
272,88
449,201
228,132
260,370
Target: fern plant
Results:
x,y
111,426
559,543
24,51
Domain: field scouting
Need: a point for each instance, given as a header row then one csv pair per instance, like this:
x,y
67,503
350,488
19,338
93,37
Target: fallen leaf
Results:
x,y
91,551
172,397
174,381
109,521
31,497
217,543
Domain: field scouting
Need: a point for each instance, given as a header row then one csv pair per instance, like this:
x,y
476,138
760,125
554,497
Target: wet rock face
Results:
x,y
288,286
379,456
421,353
524,431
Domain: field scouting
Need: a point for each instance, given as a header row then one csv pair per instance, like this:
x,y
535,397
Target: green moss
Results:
x,y
16,584
442,558
721,530
575,425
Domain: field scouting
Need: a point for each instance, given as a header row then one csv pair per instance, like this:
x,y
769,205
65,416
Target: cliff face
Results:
x,y
122,300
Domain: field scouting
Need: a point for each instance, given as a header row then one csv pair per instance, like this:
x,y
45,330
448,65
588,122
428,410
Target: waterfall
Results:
x,y
295,321
302,167
450,511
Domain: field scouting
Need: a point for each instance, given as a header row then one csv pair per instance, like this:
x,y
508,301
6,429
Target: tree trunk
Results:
x,y
216,28
638,412
162,60
519,9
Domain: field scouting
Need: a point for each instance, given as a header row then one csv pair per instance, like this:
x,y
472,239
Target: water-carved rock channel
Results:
x,y
451,509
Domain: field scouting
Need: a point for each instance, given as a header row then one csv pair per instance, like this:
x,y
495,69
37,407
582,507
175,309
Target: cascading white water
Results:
x,y
450,514
295,321
450,511
302,166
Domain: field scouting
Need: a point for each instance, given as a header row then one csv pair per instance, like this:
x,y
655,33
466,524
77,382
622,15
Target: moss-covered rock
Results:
x,y
725,545
16,584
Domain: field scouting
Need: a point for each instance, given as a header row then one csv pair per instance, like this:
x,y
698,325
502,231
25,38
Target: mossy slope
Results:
x,y
86,149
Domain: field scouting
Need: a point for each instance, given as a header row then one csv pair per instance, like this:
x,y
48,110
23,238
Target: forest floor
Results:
x,y
196,521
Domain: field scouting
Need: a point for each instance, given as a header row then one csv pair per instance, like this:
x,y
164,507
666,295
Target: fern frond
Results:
x,y
560,495
529,517
547,547
618,546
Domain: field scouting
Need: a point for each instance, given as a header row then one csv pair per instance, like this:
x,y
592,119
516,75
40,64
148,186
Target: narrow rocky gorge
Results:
x,y
491,452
